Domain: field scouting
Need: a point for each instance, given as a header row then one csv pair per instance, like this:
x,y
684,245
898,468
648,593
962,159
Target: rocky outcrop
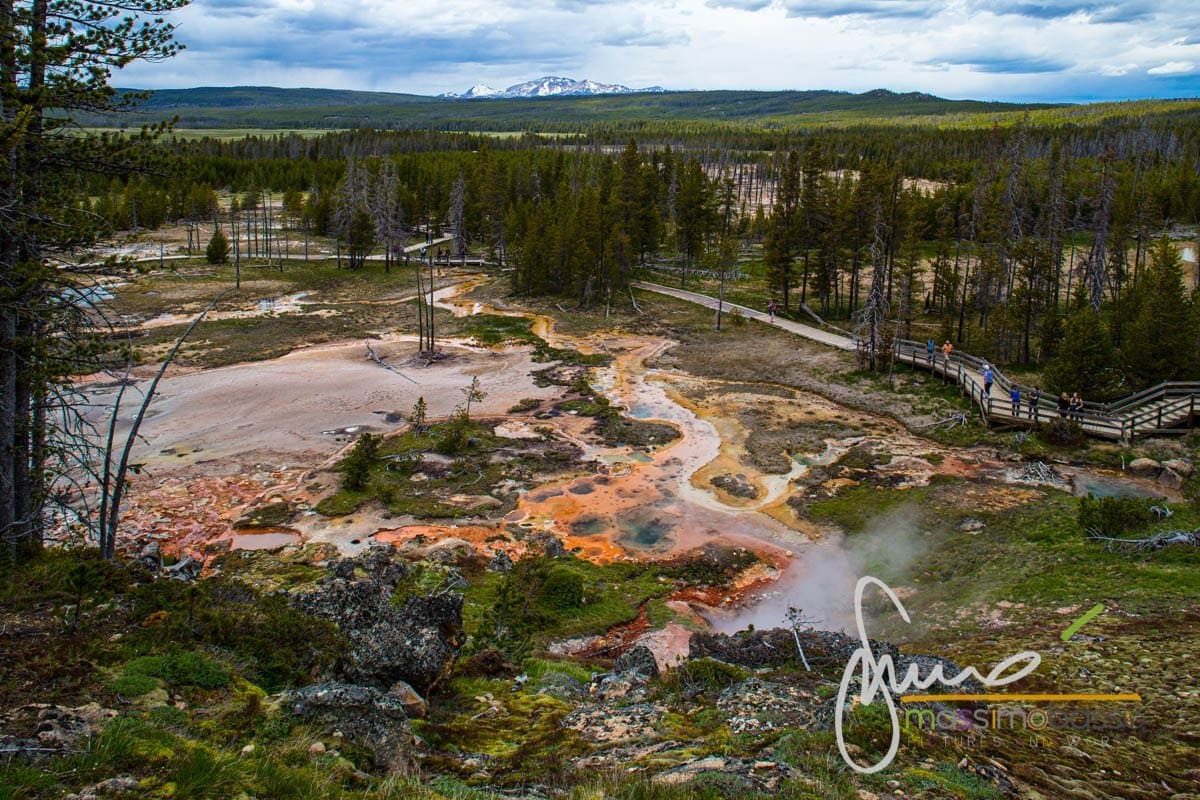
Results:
x,y
755,706
735,776
414,705
414,641
603,723
561,685
827,652
1180,466
41,729
362,715
736,485
776,647
1170,478
637,659
1144,466
123,786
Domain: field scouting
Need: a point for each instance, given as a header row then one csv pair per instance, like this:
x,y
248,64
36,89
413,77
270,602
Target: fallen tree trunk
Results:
x,y
1150,543
374,356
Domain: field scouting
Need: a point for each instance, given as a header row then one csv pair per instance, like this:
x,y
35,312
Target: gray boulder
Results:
x,y
1170,478
637,659
1144,466
414,641
414,704
552,547
560,685
828,652
1180,466
364,715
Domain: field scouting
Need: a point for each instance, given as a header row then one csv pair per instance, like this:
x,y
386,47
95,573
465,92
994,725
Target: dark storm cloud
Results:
x,y
1004,65
1096,12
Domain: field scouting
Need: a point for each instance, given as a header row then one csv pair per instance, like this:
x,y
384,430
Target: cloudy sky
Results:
x,y
990,49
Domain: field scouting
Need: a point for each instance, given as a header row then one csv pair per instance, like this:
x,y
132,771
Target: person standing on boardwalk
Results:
x,y
1076,407
1015,396
1034,397
929,350
987,380
947,349
771,310
1064,406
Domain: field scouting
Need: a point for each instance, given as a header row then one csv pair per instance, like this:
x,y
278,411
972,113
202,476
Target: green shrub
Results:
x,y
454,434
704,675
341,504
562,590
1114,516
201,773
714,566
1062,433
357,465
133,685
181,669
261,631
525,404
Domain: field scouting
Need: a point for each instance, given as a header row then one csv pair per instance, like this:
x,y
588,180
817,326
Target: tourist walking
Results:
x,y
1034,397
1015,396
929,350
987,380
947,349
771,310
1064,406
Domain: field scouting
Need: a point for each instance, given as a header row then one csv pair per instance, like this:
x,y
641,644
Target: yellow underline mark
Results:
x,y
1022,698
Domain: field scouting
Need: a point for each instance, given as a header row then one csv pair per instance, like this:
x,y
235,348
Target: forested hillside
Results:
x,y
1006,238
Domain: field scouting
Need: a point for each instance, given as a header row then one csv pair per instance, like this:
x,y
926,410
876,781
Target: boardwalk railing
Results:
x,y
1166,408
1160,409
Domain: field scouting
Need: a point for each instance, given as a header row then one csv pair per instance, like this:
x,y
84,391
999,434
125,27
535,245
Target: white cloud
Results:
x,y
1019,49
1172,68
1117,70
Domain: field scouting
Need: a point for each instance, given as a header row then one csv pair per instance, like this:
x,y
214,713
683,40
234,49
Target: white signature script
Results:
x,y
879,677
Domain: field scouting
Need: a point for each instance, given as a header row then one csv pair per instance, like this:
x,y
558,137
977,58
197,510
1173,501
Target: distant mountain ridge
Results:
x,y
549,86
552,110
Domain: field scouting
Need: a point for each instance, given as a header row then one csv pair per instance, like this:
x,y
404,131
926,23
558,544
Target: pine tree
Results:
x,y
361,238
416,419
1086,360
217,251
56,59
779,244
1158,343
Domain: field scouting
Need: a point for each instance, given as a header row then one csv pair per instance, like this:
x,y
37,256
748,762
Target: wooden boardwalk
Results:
x,y
1167,408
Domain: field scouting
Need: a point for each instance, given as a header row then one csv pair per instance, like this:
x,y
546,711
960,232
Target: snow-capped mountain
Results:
x,y
481,90
550,86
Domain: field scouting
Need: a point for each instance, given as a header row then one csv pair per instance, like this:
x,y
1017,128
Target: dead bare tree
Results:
x,y
869,330
112,484
796,621
1096,266
1148,544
